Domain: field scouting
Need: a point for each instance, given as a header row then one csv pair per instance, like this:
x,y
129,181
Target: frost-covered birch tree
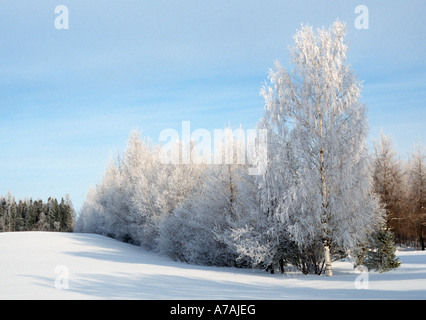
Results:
x,y
136,193
315,109
198,230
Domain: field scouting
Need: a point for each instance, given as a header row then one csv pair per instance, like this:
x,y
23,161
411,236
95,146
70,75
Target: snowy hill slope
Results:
x,y
42,265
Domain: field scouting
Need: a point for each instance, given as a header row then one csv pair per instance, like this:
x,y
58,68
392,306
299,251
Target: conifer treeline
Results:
x,y
36,215
401,188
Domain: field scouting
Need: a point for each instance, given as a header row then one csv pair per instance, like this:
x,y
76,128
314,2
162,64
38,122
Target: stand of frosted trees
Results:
x,y
401,188
36,215
319,198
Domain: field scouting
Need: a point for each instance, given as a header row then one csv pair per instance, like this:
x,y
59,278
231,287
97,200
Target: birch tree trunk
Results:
x,y
328,269
324,218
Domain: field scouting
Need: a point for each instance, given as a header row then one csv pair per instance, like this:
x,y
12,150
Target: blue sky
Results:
x,y
69,98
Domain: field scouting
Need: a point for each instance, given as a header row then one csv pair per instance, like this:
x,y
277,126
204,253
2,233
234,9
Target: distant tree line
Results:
x,y
36,215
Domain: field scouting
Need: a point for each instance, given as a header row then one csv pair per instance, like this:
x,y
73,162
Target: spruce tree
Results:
x,y
53,214
381,254
30,217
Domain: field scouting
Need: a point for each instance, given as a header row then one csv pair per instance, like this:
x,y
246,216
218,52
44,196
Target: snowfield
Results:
x,y
47,265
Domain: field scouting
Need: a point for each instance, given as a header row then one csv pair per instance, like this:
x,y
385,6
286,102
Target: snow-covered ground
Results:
x,y
42,265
